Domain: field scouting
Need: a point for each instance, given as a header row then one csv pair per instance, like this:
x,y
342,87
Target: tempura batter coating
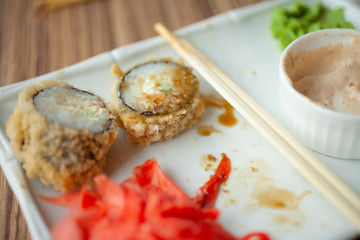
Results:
x,y
60,156
148,128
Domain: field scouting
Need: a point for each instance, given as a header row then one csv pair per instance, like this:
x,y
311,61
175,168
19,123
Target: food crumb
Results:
x,y
60,73
211,157
251,72
208,166
244,125
207,25
180,61
207,161
116,71
150,58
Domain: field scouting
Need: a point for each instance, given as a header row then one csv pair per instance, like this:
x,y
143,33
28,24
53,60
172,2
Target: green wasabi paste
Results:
x,y
289,24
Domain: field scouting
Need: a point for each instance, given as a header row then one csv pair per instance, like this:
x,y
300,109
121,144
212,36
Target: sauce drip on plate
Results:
x,y
206,130
228,118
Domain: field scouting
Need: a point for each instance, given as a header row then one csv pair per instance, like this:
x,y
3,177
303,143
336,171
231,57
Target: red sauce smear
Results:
x,y
148,205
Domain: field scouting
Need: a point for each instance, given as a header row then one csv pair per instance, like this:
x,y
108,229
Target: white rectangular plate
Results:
x,y
240,43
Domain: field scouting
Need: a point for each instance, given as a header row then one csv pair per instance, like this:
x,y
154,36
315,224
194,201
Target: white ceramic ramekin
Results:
x,y
328,132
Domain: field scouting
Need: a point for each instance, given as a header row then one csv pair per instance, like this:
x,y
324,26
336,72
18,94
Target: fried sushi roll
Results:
x,y
61,134
156,100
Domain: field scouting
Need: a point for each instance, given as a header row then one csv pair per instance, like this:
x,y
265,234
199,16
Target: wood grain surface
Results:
x,y
32,44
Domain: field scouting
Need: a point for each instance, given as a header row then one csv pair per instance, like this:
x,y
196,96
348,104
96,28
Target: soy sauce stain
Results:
x,y
206,130
227,118
282,206
277,198
213,100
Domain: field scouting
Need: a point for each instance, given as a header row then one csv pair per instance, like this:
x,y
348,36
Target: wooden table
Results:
x,y
32,44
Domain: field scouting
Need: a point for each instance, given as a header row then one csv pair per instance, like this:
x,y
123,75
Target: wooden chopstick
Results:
x,y
327,182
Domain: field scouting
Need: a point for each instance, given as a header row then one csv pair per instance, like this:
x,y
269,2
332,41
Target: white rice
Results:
x,y
158,87
73,108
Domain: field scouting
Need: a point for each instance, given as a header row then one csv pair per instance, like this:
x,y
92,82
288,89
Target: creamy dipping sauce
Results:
x,y
329,75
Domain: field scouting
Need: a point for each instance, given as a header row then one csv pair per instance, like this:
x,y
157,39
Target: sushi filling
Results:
x,y
156,88
73,108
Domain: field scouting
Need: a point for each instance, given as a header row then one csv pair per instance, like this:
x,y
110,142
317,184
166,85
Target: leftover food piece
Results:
x,y
145,206
156,100
289,24
60,134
